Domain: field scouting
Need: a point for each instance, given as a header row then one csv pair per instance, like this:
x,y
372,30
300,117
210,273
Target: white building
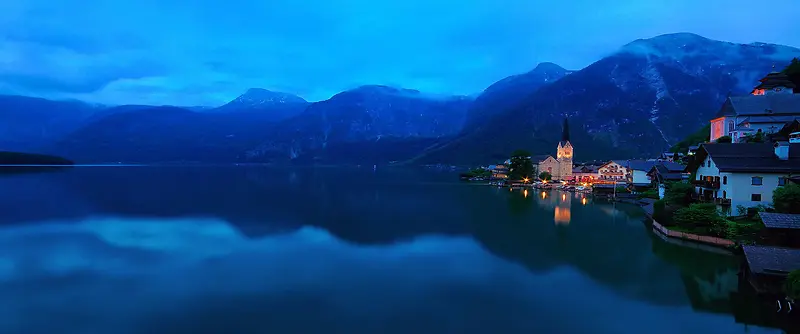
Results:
x,y
613,170
769,107
743,174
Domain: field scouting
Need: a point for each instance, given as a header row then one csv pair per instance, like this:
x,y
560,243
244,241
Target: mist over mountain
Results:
x,y
635,102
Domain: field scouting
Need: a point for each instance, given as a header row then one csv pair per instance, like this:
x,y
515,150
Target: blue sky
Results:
x,y
206,52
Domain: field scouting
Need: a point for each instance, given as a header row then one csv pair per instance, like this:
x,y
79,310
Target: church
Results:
x,y
560,167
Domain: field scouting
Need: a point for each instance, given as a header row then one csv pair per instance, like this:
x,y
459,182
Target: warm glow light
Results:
x,y
562,215
525,180
525,192
544,194
583,201
563,197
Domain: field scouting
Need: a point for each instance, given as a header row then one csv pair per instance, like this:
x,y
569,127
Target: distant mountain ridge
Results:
x,y
636,102
511,91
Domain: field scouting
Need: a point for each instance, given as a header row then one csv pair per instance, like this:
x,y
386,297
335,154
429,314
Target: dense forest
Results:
x,y
16,158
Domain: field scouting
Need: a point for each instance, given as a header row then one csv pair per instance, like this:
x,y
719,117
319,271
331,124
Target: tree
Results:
x,y
678,193
725,139
793,284
786,199
521,165
700,214
793,71
700,136
758,137
545,176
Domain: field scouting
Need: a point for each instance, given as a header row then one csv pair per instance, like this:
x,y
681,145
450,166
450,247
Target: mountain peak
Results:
x,y
682,45
548,66
256,96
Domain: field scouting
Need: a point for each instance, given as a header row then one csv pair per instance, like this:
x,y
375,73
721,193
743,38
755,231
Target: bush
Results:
x,y
786,199
793,284
660,213
698,215
649,193
724,139
545,176
678,193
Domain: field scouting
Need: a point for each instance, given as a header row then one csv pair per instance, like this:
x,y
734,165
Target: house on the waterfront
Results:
x,y
585,173
636,175
743,174
766,268
666,172
499,171
560,167
780,229
613,170
766,111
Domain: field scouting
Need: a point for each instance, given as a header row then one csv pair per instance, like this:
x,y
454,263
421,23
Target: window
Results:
x,y
755,197
724,180
730,126
724,194
708,164
781,181
757,181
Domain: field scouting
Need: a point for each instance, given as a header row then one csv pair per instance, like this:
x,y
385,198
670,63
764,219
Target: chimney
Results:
x,y
782,150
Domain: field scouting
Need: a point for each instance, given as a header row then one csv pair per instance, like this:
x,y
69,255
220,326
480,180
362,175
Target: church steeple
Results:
x,y
565,131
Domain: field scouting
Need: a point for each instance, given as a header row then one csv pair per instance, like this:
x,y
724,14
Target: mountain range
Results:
x,y
635,102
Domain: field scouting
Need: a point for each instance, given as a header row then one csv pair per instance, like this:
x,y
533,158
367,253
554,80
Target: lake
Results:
x,y
341,250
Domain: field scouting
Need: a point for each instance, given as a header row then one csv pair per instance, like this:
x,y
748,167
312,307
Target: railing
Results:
x,y
723,201
706,184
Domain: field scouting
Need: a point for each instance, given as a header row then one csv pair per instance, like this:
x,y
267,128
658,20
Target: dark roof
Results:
x,y
772,260
769,104
673,166
749,157
672,176
775,79
780,220
770,119
640,165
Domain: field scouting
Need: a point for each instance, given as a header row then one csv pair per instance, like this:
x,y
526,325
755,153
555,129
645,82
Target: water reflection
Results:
x,y
253,250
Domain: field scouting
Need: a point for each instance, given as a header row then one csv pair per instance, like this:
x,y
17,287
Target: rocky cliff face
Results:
x,y
635,103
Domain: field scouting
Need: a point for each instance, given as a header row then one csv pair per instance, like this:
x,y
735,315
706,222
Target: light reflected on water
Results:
x,y
525,192
583,201
562,215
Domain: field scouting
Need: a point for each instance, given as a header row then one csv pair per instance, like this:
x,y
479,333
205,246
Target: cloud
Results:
x,y
207,52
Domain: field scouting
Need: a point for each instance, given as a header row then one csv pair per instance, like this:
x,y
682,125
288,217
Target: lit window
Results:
x,y
755,197
757,181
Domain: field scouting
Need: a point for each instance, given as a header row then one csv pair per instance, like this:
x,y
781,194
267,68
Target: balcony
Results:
x,y
706,184
723,201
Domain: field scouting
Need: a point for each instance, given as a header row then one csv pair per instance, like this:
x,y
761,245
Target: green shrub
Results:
x,y
786,199
793,284
678,193
698,215
650,193
661,214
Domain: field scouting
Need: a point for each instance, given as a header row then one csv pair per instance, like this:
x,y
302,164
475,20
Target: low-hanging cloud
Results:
x,y
207,52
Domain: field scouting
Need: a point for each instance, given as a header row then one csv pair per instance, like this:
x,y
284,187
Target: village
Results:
x,y
739,189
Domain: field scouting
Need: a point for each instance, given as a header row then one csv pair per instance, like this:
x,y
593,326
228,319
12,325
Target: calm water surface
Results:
x,y
261,250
